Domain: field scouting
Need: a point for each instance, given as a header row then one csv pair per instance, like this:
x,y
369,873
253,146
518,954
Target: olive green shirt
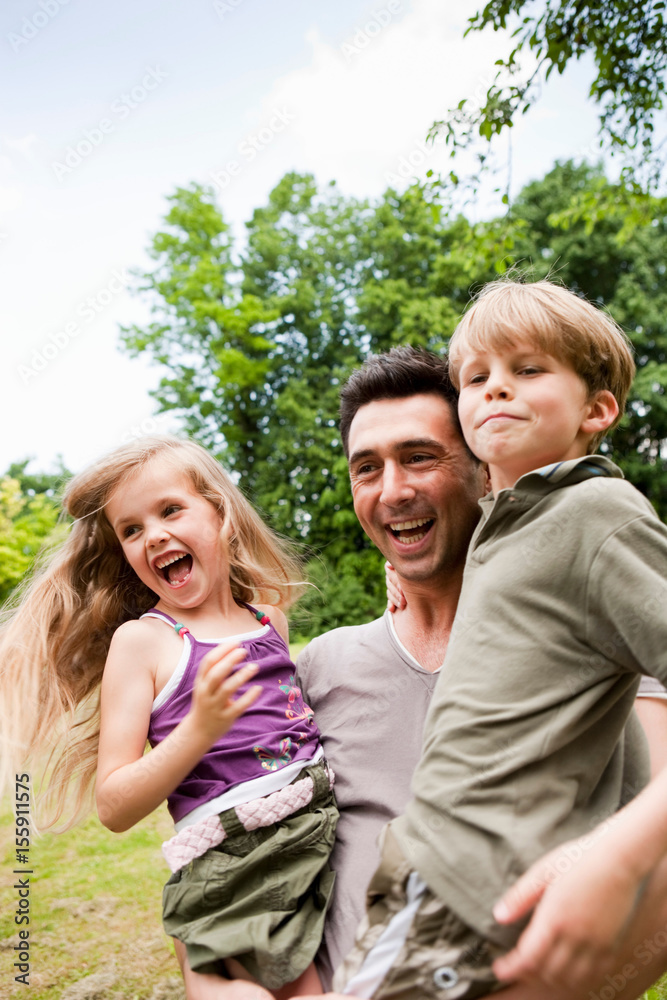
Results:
x,y
562,609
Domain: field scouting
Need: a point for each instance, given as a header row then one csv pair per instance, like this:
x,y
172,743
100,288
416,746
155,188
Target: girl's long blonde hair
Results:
x,y
56,631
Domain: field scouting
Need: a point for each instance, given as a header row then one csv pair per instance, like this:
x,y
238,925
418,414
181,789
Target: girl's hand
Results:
x,y
213,705
395,597
581,905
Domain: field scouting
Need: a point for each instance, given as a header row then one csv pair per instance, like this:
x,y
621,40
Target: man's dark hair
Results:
x,y
398,374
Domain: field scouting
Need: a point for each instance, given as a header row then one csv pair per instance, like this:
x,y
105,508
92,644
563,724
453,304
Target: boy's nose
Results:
x,y
498,386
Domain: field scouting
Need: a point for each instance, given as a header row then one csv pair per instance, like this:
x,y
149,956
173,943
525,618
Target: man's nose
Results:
x,y
396,485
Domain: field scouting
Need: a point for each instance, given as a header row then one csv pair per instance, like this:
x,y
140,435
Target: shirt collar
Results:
x,y
552,477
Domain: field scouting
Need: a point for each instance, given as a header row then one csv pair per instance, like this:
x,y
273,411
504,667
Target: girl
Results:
x,y
146,609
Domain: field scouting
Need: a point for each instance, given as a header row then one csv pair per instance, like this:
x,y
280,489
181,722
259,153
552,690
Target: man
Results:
x,y
415,487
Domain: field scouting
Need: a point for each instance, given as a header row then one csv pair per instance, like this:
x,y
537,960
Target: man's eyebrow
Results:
x,y
399,446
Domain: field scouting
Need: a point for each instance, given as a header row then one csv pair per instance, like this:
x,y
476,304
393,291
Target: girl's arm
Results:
x,y
131,784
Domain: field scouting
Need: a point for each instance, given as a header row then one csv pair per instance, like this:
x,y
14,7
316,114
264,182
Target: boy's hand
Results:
x,y
581,905
395,597
213,704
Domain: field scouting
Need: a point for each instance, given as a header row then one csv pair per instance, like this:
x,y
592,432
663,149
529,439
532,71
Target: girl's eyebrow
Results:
x,y
160,502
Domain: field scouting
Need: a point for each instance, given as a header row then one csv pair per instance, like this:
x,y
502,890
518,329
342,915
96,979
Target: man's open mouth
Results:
x,y
175,568
409,532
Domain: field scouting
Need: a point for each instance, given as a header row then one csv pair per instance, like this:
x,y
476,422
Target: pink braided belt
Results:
x,y
195,840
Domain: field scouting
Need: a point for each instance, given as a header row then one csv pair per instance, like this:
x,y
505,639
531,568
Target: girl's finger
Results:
x,y
221,661
245,700
231,684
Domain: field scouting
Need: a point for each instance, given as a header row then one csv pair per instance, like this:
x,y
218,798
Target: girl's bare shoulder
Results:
x,y
278,619
142,642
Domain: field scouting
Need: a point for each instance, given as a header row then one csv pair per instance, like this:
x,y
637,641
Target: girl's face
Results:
x,y
171,536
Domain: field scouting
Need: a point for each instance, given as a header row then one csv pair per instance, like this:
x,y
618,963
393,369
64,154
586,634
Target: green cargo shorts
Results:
x,y
259,897
410,945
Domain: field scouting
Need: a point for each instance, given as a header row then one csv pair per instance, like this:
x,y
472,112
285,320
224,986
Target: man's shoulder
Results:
x,y
342,640
343,637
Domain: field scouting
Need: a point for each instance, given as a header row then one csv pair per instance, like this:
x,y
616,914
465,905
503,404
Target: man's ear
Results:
x,y
602,411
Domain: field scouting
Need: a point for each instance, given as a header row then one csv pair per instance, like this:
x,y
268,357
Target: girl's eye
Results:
x,y
130,530
171,509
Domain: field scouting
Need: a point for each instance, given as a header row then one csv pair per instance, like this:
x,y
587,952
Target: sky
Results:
x,y
113,106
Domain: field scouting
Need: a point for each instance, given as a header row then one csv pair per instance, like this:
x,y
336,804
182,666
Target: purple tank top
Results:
x,y
276,730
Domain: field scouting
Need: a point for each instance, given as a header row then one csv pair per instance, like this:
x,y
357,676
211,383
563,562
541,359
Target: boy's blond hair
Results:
x,y
557,322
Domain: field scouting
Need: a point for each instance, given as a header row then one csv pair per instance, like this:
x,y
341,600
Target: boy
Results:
x,y
559,615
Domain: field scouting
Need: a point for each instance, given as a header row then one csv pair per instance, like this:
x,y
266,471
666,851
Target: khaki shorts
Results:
x,y
411,946
259,897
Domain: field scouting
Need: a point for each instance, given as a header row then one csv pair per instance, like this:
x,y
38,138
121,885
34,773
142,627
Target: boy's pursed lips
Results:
x,y
500,416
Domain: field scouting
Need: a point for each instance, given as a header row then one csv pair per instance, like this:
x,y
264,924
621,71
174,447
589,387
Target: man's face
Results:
x,y
414,484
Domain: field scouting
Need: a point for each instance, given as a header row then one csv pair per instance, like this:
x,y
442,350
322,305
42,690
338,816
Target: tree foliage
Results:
x,y
255,343
628,44
29,512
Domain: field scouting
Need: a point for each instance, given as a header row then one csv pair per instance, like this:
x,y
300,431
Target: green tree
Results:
x,y
29,513
628,45
256,350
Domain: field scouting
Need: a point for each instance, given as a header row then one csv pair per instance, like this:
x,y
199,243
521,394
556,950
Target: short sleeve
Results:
x,y
650,687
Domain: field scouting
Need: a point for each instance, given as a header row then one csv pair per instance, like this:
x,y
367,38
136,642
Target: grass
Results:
x,y
95,900
95,924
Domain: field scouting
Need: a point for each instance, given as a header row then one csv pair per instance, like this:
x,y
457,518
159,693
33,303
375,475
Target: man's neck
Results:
x,y
425,624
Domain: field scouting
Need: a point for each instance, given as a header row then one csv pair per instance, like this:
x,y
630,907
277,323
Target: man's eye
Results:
x,y
420,458
364,470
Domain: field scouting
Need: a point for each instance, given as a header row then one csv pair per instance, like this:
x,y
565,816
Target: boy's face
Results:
x,y
522,409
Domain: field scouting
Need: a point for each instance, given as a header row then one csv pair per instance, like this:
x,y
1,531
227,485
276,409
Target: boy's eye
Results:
x,y
530,370
477,379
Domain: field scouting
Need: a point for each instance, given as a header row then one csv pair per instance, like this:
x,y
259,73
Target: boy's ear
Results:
x,y
602,411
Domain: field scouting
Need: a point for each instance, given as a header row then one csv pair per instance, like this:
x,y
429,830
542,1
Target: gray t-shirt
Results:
x,y
370,699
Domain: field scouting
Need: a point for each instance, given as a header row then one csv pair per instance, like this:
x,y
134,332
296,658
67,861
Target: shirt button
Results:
x,y
445,977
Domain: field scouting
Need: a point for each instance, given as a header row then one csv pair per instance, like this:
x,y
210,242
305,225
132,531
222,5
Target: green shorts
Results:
x,y
259,897
410,945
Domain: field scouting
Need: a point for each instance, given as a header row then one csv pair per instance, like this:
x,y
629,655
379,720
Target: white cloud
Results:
x,y
362,105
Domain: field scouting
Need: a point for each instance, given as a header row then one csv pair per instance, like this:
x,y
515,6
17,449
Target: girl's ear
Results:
x,y
602,411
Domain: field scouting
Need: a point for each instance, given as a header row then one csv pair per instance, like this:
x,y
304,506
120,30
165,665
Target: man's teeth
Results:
x,y
406,525
402,526
169,561
413,538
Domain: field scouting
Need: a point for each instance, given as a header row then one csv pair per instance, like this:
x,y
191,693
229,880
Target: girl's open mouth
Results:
x,y
177,569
